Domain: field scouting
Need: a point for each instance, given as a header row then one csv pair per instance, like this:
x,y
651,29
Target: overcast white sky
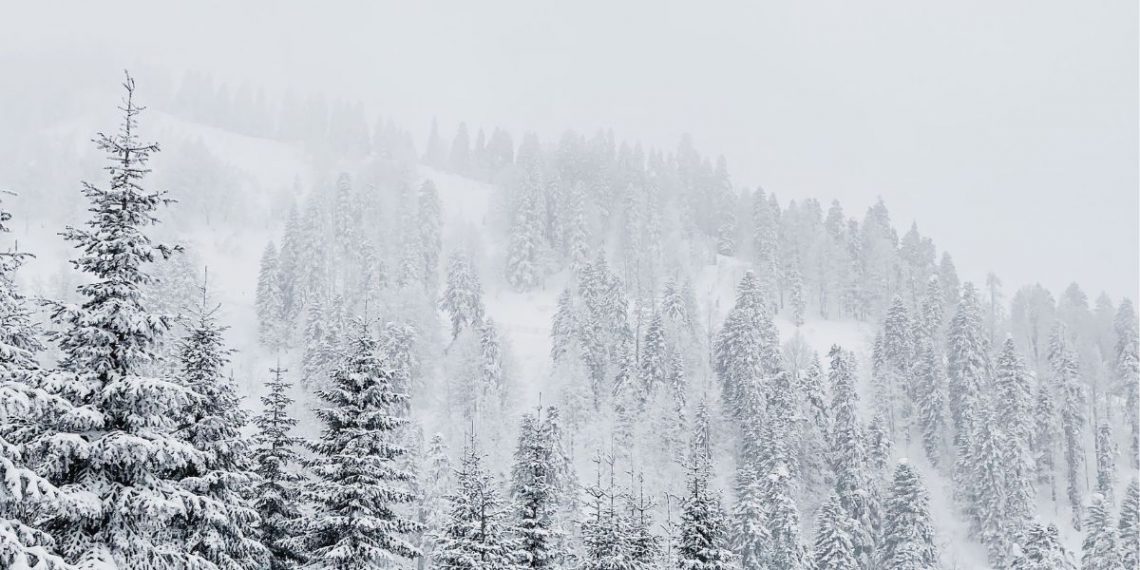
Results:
x,y
1007,129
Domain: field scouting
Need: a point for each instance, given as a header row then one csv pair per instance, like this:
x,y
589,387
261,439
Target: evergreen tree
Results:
x,y
435,481
908,535
1046,439
275,501
1100,550
534,495
1014,405
834,549
607,533
428,223
785,547
849,457
1130,526
930,380
654,359
704,536
750,534
463,296
23,492
563,327
1042,550
1105,463
1072,406
222,528
476,534
1128,370
270,305
358,483
523,271
121,448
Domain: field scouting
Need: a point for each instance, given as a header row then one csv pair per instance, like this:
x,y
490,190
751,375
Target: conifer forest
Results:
x,y
254,325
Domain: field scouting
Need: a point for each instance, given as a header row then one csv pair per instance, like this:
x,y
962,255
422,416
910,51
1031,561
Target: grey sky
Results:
x,y
1008,130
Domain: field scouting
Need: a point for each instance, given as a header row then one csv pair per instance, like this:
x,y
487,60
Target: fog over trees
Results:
x,y
248,328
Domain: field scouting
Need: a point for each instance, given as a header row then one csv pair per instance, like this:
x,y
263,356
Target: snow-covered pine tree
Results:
x,y
878,445
120,450
275,495
435,482
563,328
704,541
606,533
534,495
272,329
1013,401
1042,550
764,244
1130,526
908,535
798,299
930,398
476,534
1128,370
323,343
222,526
1046,439
1105,463
358,485
740,347
834,549
1100,550
750,535
654,359
463,295
849,460
1066,372
289,270
523,255
967,363
785,548
23,493
984,490
428,223
893,377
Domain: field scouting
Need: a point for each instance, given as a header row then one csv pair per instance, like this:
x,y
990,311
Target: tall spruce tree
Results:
x,y
1100,550
834,549
849,458
23,407
534,494
908,534
275,495
358,481
1072,405
476,534
1042,550
121,449
1013,400
1128,371
1130,526
222,527
463,295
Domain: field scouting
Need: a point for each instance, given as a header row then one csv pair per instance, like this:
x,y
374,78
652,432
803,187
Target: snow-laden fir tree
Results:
x,y
435,481
323,340
523,250
463,295
289,270
704,540
834,549
785,548
849,459
931,398
1128,370
750,534
607,531
120,450
1041,549
764,244
358,486
893,375
654,359
797,300
967,363
738,351
428,224
23,493
1046,439
271,325
1105,463
985,490
535,496
908,534
476,535
1071,406
1100,549
1013,404
1130,526
563,331
222,527
275,494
